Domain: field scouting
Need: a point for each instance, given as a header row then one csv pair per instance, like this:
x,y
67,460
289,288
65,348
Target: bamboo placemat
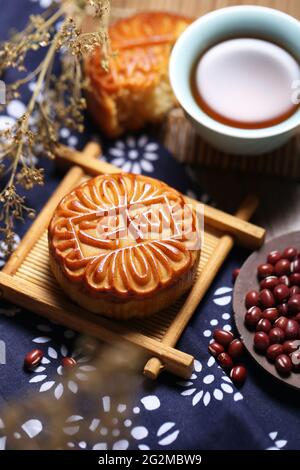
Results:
x,y
178,135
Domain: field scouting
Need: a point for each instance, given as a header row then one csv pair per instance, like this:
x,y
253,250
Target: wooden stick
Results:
x,y
92,151
43,302
154,366
246,234
42,221
90,164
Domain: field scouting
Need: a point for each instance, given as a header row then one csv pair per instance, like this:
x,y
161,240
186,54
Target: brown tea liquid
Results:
x,y
246,83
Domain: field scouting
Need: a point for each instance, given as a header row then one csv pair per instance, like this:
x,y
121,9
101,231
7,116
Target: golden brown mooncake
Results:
x,y
124,245
136,89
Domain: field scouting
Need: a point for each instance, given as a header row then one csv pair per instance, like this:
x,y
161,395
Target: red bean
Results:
x,y
215,349
252,316
238,374
294,290
235,349
235,274
68,362
281,322
282,267
283,364
297,317
273,257
273,351
33,358
269,283
223,337
265,270
295,266
264,325
266,298
282,310
290,253
276,335
281,293
225,360
270,314
294,304
284,280
292,329
295,279
252,299
290,346
261,341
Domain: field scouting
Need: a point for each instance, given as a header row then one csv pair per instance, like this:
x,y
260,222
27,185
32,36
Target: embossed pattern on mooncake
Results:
x,y
124,234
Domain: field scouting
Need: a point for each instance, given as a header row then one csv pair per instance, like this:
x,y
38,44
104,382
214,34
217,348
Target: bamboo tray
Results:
x,y
26,278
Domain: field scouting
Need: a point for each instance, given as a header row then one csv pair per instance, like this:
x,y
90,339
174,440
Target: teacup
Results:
x,y
210,29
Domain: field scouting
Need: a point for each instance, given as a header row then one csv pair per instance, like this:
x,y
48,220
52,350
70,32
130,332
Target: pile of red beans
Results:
x,y
228,350
273,311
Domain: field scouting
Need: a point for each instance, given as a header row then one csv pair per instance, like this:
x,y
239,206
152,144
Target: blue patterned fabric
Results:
x,y
205,412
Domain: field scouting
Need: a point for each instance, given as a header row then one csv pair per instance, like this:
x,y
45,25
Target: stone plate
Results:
x,y
246,281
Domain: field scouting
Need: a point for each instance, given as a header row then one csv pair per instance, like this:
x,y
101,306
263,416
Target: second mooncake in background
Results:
x,y
136,89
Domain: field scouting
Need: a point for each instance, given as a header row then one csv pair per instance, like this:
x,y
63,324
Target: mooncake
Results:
x,y
136,89
124,245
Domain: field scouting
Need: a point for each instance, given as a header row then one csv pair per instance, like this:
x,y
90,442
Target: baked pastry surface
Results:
x,y
136,90
124,245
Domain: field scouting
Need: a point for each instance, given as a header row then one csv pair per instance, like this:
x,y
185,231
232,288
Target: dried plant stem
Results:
x,y
24,126
56,101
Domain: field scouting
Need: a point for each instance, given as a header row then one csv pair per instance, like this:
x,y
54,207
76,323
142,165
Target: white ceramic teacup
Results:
x,y
208,30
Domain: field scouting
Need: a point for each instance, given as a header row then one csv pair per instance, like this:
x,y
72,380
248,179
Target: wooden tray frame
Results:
x,y
27,281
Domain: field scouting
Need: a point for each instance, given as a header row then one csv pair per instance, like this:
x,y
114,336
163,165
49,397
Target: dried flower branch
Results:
x,y
56,100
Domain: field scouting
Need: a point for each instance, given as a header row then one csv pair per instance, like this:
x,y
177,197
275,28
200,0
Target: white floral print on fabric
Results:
x,y
124,430
3,247
277,444
135,155
44,3
53,357
207,383
14,110
71,140
29,429
222,297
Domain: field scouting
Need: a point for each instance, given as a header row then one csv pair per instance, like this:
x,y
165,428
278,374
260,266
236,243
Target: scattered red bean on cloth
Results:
x,y
235,274
273,311
227,350
33,358
68,362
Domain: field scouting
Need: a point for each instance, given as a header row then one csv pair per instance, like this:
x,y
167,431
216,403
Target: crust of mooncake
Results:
x,y
121,269
138,308
136,89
